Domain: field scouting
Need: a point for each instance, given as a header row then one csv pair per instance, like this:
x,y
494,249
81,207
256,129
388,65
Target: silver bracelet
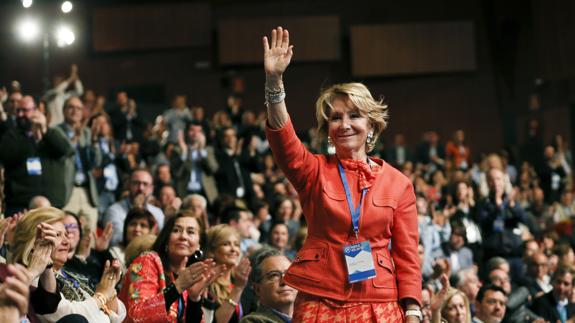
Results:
x,y
274,97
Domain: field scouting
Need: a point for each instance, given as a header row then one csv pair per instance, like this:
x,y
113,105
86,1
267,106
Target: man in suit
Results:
x,y
275,298
8,112
398,153
556,305
537,279
490,304
518,297
81,191
194,164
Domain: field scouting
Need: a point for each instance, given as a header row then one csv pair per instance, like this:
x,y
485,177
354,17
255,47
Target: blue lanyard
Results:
x,y
70,278
355,212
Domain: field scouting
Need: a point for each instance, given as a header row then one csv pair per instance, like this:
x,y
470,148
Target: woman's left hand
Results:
x,y
412,319
242,273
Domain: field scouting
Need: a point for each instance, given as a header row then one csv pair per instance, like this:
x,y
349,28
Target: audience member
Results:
x,y
140,190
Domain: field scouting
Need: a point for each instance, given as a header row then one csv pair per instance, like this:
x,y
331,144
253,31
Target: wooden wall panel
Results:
x,y
316,38
382,50
154,26
553,31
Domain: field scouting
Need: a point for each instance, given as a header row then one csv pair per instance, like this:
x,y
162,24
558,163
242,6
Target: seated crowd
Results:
x,y
111,218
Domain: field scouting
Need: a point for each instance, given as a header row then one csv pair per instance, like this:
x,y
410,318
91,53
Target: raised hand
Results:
x,y
46,240
438,299
103,242
110,277
278,53
242,272
15,289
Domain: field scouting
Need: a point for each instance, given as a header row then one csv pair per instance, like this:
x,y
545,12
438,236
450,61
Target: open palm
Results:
x,y
278,53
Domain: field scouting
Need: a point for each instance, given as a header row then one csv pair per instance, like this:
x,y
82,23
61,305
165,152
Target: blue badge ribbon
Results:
x,y
355,212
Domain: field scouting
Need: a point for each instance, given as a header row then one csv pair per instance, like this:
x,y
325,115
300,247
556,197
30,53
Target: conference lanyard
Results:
x,y
355,212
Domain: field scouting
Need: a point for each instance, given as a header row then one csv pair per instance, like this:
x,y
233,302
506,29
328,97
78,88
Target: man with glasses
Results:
x,y
81,191
33,155
275,298
141,186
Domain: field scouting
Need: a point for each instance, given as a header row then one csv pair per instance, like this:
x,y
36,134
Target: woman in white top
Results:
x,y
98,304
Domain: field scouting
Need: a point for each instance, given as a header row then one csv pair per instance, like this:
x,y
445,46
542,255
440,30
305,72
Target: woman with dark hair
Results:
x,y
139,221
160,285
284,211
279,238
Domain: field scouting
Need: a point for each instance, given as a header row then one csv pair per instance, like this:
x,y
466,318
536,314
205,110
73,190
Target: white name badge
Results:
x,y
34,166
240,192
359,262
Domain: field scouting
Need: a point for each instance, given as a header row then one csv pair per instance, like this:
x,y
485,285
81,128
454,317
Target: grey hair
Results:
x,y
187,202
461,276
257,258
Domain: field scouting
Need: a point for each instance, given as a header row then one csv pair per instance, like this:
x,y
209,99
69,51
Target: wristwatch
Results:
x,y
416,313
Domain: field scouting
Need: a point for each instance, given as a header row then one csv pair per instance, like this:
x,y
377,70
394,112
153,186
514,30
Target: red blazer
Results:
x,y
388,215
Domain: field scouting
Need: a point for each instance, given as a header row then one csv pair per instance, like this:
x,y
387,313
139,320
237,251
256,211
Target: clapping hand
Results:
x,y
208,276
438,299
278,53
103,241
110,278
14,292
242,273
46,240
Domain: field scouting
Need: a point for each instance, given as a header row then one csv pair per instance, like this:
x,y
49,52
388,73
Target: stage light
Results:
x,y
64,36
28,29
67,6
26,3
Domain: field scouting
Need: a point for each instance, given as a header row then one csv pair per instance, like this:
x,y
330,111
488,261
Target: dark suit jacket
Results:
x,y
423,152
262,315
390,155
546,307
208,167
90,156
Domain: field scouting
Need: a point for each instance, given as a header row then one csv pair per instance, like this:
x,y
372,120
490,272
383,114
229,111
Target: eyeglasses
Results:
x,y
274,276
24,110
138,183
71,227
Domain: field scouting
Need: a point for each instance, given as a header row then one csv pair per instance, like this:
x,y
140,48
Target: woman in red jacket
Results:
x,y
359,262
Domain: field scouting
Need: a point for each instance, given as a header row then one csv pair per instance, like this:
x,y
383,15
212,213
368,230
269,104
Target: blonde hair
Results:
x,y
451,292
137,246
25,232
375,110
216,236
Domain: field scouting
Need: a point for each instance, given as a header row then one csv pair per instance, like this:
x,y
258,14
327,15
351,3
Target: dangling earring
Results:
x,y
370,139
330,146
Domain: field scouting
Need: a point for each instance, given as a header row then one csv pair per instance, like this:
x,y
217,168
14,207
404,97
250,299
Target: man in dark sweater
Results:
x,y
33,158
275,298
